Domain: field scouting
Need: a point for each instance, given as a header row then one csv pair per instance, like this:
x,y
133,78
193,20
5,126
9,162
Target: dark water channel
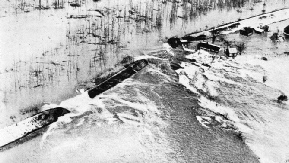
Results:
x,y
50,48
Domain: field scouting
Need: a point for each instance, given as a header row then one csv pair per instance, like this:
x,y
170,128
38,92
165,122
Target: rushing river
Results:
x,y
195,114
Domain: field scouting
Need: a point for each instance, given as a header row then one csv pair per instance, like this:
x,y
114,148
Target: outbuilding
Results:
x,y
209,47
231,52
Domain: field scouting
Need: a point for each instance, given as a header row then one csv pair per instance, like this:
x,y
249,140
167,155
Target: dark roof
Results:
x,y
286,29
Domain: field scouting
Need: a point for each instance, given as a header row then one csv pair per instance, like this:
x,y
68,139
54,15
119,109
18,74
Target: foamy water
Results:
x,y
248,102
273,141
146,117
134,121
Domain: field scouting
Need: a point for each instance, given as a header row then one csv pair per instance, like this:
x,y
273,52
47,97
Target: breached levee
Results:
x,y
125,73
18,132
23,128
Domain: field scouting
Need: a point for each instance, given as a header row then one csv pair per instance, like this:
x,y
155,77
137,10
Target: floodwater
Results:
x,y
47,54
63,48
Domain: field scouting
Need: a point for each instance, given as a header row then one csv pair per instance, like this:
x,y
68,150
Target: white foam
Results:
x,y
205,103
147,57
201,56
189,50
157,71
203,120
145,106
268,139
276,69
218,77
183,79
191,77
81,103
168,49
75,105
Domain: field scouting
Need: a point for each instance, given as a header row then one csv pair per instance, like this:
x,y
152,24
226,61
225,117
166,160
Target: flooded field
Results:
x,y
52,49
62,45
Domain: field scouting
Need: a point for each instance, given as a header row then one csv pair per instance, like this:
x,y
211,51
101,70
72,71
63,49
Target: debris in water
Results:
x,y
207,65
277,37
247,31
174,42
175,66
264,58
282,98
127,60
265,28
75,5
264,79
77,17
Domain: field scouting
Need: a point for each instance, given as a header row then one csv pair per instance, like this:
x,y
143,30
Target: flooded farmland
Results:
x,y
54,45
51,50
